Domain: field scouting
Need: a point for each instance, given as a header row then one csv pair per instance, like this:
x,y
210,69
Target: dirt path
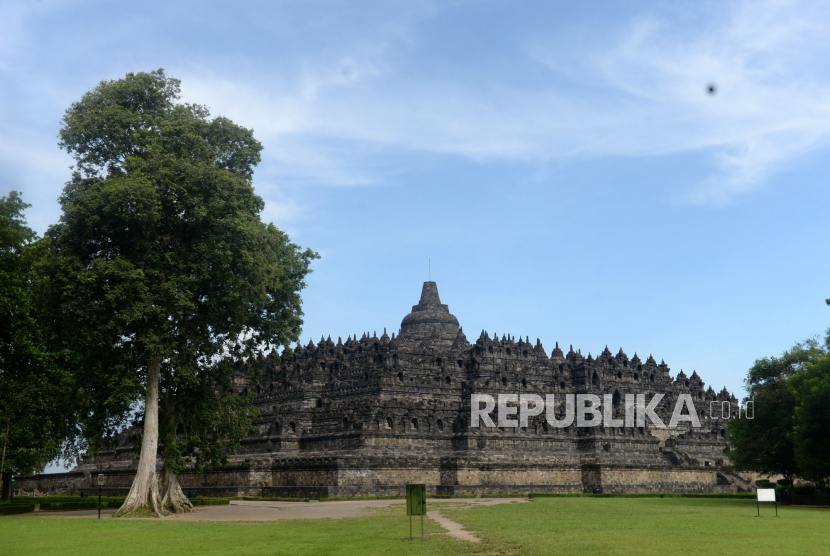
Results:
x,y
245,510
457,530
249,510
453,529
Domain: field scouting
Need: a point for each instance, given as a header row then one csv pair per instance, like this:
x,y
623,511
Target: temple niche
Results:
x,y
367,415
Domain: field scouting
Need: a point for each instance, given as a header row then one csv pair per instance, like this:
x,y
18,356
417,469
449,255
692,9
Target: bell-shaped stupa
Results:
x,y
430,319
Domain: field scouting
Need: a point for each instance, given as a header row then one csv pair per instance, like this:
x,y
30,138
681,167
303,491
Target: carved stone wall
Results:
x,y
369,415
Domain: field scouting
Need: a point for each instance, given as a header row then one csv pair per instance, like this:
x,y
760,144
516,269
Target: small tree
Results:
x,y
764,444
32,426
160,268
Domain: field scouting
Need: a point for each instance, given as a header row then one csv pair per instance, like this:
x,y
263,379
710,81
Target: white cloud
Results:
x,y
642,93
771,104
332,114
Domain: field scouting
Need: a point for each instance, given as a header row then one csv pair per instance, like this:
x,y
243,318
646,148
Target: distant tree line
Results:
x,y
790,432
159,280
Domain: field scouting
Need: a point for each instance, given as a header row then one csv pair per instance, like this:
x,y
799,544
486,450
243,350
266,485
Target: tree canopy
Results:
x,y
33,414
785,436
162,270
811,421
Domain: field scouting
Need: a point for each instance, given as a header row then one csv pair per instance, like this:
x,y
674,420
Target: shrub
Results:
x,y
801,490
80,504
55,503
274,499
739,495
13,509
201,501
337,498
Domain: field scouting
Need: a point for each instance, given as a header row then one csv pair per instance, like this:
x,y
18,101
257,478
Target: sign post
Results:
x,y
766,495
416,504
100,484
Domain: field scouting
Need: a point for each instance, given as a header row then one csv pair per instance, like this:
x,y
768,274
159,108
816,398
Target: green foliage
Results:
x,y
160,253
272,499
805,495
15,235
341,498
77,504
811,422
33,408
210,422
63,503
726,495
207,501
805,489
788,435
113,501
14,509
764,444
137,117
18,501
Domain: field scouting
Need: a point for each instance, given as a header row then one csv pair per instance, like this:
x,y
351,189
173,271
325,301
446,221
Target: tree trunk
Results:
x,y
791,488
6,493
144,498
173,499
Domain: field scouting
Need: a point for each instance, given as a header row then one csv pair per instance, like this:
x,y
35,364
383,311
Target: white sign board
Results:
x,y
766,495
100,480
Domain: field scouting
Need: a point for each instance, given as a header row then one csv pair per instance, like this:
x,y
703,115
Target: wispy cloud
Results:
x,y
641,92
360,96
772,103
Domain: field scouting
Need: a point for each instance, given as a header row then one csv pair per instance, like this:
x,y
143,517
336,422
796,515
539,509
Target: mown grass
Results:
x,y
564,525
379,533
650,526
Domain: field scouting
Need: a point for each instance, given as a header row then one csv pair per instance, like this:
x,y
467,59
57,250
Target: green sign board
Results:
x,y
416,500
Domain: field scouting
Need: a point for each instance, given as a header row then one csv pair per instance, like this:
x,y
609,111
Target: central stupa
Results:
x,y
430,318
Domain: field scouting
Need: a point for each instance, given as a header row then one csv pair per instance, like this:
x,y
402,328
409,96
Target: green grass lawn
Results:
x,y
381,533
543,526
645,526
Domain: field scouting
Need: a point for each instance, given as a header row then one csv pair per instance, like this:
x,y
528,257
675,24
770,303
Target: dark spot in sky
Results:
x,y
711,89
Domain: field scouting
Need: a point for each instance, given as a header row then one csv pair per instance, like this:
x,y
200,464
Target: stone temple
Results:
x,y
369,415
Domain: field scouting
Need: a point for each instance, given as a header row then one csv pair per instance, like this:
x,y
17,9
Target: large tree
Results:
x,y
32,409
811,422
162,271
764,444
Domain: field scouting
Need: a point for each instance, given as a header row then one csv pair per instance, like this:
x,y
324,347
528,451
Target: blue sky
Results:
x,y
561,163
